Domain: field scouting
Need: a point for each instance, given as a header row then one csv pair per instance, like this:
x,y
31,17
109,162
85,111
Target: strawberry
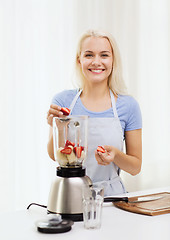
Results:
x,y
101,149
82,148
69,143
66,150
77,151
65,111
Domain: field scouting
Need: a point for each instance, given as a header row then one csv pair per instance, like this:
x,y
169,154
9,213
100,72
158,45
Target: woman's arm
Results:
x,y
131,161
54,111
50,148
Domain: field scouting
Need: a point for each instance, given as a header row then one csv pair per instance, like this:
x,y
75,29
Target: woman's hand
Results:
x,y
107,157
130,161
54,111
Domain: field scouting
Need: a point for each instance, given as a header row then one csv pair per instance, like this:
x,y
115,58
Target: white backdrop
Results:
x,y
37,46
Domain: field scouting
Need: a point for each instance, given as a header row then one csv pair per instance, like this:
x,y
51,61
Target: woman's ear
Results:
x,y
78,59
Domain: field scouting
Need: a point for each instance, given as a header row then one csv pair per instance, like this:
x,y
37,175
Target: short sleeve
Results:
x,y
135,117
64,98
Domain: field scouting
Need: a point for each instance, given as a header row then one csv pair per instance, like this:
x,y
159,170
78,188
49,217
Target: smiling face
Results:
x,y
96,59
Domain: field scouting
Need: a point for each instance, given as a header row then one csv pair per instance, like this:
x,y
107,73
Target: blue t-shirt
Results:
x,y
128,109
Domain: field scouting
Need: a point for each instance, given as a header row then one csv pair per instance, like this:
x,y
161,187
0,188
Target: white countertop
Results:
x,y
116,224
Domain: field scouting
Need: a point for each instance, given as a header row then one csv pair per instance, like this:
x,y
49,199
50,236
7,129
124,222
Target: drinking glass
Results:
x,y
92,206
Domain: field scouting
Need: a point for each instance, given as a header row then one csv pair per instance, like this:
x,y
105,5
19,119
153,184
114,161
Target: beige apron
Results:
x,y
104,131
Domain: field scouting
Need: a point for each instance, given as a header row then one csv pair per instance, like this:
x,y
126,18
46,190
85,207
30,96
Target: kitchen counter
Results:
x,y
116,224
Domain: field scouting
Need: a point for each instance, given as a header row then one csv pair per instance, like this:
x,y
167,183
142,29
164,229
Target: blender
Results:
x,y
70,152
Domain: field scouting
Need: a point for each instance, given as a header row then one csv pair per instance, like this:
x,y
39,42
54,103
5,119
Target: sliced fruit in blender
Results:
x,y
72,158
63,162
77,151
101,149
61,158
66,150
65,111
82,155
69,143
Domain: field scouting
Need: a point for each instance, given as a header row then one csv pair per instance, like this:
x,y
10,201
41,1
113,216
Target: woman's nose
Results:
x,y
96,60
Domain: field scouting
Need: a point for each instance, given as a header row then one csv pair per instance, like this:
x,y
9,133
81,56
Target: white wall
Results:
x,y
37,45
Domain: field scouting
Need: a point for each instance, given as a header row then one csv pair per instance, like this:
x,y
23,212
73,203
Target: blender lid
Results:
x,y
54,224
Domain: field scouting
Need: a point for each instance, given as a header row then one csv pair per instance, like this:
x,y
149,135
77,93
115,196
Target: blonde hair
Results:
x,y
115,81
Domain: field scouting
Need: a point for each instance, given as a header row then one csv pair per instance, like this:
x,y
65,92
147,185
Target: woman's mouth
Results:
x,y
96,70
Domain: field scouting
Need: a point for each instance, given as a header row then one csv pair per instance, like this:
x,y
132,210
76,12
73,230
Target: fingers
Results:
x,y
108,148
54,111
101,158
55,106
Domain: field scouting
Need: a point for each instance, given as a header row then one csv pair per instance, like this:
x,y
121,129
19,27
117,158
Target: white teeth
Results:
x,y
96,70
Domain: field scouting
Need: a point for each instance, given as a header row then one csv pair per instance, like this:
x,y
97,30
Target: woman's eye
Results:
x,y
105,55
88,55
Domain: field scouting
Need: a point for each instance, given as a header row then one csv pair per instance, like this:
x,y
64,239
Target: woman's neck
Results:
x,y
96,98
95,91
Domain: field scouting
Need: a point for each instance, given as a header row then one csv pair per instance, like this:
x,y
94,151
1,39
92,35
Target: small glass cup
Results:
x,y
92,206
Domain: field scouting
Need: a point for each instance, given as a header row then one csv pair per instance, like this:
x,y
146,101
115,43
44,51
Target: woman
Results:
x,y
113,115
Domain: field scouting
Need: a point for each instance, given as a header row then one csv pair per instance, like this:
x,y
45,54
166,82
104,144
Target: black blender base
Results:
x,y
78,217
73,217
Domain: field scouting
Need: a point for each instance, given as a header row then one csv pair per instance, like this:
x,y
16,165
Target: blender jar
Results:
x,y
70,140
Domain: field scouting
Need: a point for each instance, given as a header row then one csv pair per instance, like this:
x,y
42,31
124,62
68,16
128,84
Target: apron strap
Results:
x,y
112,180
113,104
115,111
107,184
